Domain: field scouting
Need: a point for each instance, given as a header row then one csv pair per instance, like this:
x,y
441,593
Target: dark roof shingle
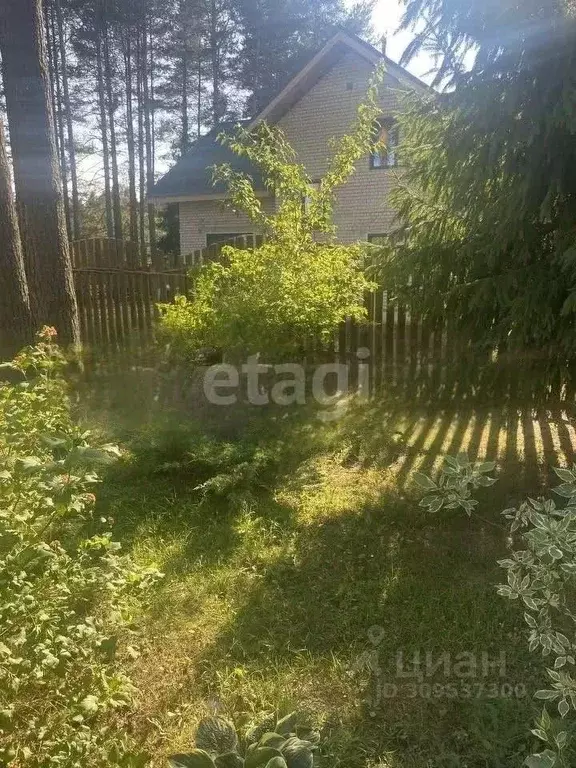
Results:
x,y
192,174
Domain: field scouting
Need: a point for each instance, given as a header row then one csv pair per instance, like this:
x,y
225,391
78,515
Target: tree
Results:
x,y
36,170
487,199
294,286
15,320
279,35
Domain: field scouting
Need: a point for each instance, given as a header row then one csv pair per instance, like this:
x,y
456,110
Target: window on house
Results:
x,y
386,154
224,237
379,239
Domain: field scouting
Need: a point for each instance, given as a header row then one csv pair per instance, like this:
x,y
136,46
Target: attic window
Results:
x,y
386,155
349,86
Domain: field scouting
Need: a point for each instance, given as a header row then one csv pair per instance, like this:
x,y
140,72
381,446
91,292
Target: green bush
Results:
x,y
66,591
541,572
300,283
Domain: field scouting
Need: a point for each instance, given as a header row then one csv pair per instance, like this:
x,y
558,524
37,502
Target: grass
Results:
x,y
308,558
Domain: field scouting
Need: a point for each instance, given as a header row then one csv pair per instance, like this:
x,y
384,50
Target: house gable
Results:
x,y
340,45
191,177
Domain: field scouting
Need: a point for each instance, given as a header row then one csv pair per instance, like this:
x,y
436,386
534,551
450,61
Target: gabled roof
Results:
x,y
191,177
321,63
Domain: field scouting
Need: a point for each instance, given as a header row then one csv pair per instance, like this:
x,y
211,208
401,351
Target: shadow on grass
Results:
x,y
428,587
292,596
427,584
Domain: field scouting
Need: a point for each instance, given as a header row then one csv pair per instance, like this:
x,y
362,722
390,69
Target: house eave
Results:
x,y
165,199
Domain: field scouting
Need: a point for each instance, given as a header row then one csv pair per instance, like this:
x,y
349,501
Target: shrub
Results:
x,y
296,285
541,574
286,743
65,588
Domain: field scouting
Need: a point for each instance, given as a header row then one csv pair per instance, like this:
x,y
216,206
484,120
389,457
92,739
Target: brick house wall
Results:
x,y
328,109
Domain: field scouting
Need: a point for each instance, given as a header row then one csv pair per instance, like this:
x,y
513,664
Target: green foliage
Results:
x,y
66,591
458,478
540,574
286,743
215,467
300,283
486,202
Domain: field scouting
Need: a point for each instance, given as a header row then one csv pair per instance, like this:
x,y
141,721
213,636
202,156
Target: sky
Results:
x,y
386,20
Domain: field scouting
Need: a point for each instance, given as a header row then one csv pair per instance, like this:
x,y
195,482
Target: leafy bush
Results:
x,y
65,589
294,286
285,743
541,573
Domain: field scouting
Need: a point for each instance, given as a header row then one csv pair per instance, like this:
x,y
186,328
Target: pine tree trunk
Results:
x,y
185,139
215,62
141,75
199,97
15,320
76,223
104,135
147,83
59,115
133,204
116,206
36,171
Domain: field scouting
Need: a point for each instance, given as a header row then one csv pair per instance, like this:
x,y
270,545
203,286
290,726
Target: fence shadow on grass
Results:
x,y
429,584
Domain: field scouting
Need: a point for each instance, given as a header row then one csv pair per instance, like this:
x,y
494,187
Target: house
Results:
x,y
320,102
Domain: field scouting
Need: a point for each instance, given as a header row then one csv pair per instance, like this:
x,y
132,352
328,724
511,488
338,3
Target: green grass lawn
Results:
x,y
308,555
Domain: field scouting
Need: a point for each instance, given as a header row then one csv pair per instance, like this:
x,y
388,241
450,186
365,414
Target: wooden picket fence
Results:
x,y
118,292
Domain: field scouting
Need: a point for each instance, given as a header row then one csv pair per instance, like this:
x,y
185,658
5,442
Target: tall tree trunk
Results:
x,y
76,223
15,320
36,172
133,203
116,206
141,75
199,96
215,54
185,139
104,135
147,72
59,115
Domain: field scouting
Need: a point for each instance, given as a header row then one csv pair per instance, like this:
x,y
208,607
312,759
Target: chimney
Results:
x,y
383,44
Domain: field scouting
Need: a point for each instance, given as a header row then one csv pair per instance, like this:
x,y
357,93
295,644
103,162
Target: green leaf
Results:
x,y
567,490
546,759
436,504
229,760
277,762
274,740
259,756
216,735
89,704
565,474
29,464
424,482
486,481
545,695
486,466
198,758
298,753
